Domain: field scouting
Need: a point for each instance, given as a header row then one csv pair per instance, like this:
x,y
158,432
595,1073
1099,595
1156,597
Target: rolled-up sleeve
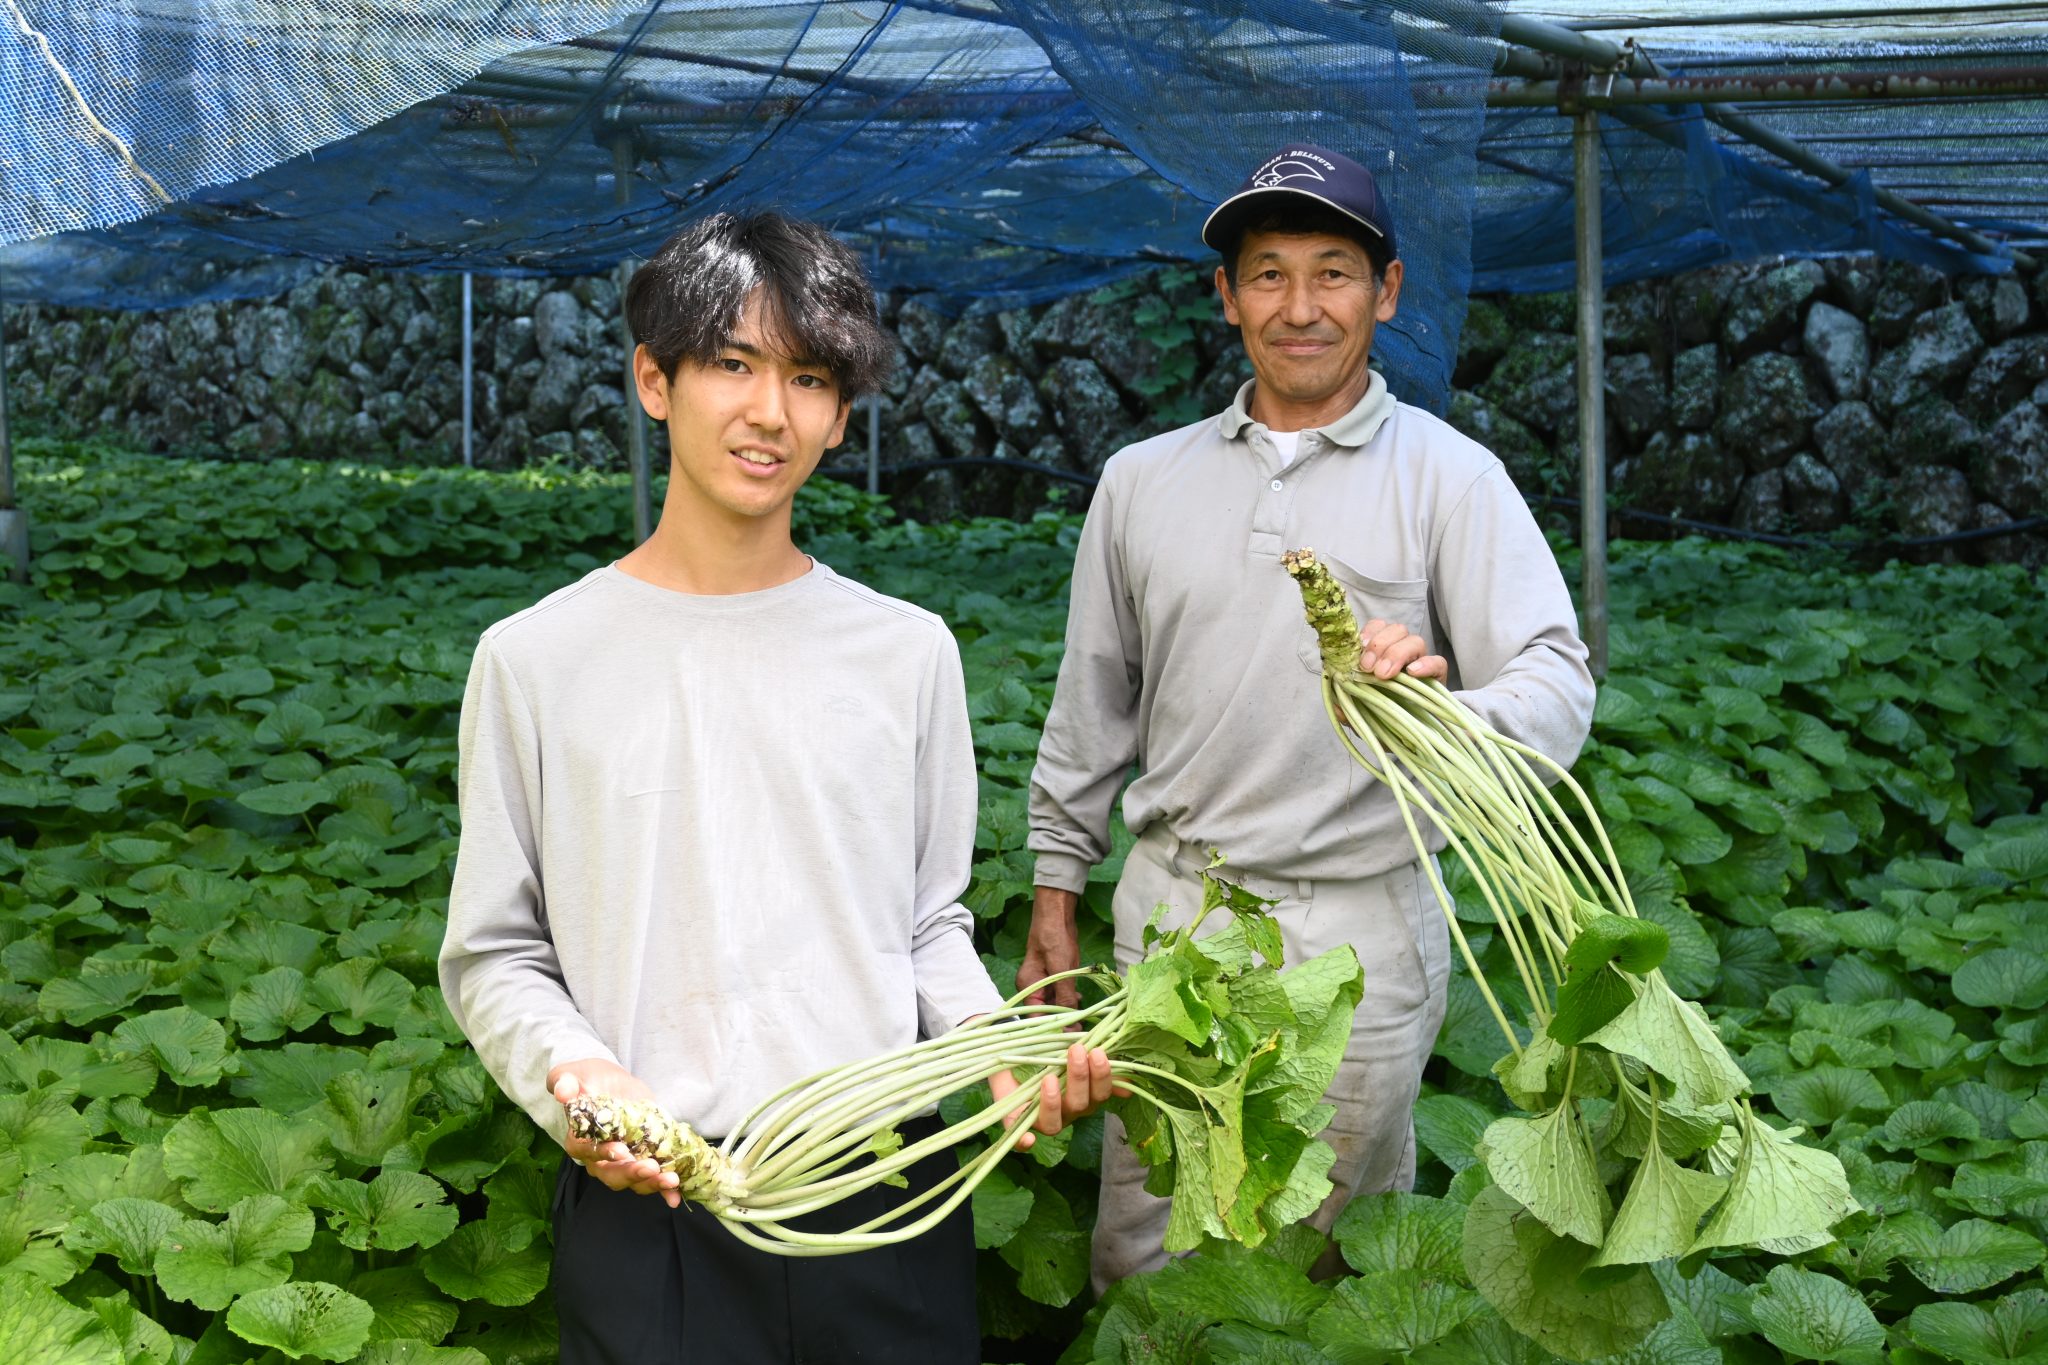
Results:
x,y
1091,732
1509,621
499,971
952,985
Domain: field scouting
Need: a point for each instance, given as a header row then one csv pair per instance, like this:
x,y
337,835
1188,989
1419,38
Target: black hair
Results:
x,y
688,299
1297,216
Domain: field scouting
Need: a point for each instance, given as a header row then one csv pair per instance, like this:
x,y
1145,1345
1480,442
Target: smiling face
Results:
x,y
1307,304
746,428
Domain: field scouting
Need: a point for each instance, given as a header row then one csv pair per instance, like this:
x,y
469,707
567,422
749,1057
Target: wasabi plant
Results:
x,y
1225,1057
1602,1023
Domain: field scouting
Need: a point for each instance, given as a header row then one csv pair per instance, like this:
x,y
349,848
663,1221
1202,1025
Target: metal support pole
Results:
x,y
13,518
875,399
636,417
1592,390
468,372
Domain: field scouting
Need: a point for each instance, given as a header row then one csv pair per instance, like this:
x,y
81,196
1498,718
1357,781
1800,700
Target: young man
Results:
x,y
718,809
1187,654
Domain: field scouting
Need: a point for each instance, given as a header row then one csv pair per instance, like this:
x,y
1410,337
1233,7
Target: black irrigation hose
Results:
x,y
854,473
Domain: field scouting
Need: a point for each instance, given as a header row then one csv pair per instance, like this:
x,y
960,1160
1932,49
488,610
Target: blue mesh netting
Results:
x,y
941,134
1009,150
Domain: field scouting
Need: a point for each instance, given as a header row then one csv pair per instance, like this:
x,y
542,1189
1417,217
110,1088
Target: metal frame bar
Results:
x,y
636,417
1592,375
1787,16
875,399
1970,84
13,517
468,371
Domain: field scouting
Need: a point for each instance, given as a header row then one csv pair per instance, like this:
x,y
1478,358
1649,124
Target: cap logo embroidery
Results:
x,y
1282,171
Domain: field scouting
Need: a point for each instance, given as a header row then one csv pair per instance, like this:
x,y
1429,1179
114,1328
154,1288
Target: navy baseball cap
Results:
x,y
1302,171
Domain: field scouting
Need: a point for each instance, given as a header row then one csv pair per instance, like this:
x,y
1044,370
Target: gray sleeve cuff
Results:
x,y
1061,872
952,985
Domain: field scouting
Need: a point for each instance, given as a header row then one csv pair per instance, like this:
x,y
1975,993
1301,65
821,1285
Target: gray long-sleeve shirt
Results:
x,y
1187,651
720,840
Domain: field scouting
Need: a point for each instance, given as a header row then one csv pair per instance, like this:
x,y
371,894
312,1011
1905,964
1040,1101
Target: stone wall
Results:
x,y
1799,396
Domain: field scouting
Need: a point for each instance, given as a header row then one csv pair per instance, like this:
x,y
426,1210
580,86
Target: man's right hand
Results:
x,y
1053,946
612,1163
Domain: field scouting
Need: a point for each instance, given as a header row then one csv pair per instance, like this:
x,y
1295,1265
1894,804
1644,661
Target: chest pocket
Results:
x,y
1405,601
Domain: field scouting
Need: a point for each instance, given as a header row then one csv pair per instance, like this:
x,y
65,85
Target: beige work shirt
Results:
x,y
1187,652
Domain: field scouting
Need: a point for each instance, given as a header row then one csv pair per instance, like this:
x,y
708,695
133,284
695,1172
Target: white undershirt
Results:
x,y
1287,443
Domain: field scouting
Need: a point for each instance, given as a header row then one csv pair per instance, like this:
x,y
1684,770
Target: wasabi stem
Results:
x,y
831,1135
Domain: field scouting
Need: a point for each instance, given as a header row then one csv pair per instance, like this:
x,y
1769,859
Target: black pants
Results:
x,y
638,1283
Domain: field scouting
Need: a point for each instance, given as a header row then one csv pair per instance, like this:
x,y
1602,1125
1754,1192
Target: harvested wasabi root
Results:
x,y
1601,1020
1225,1059
648,1132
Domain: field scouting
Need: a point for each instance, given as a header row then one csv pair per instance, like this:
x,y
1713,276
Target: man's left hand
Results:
x,y
1389,648
1087,1089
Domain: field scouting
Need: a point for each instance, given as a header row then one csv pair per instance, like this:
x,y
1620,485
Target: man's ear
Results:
x,y
650,383
839,426
1229,300
1389,301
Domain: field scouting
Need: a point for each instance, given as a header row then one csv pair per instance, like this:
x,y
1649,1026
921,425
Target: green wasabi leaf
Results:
x,y
188,1047
209,1264
1163,995
1593,994
1449,1127
358,993
303,1318
2012,1331
1050,1252
142,1340
37,1325
396,1210
2004,978
1532,1278
102,986
1680,1132
405,1304
37,1130
1401,1231
1227,1282
1923,1126
1660,1215
367,1113
229,1155
285,798
293,1078
1672,1037
1000,1206
411,1351
274,1004
1817,1317
1972,1255
522,1197
1535,1079
1824,1095
129,1230
1546,1165
1777,1191
473,1263
1389,1310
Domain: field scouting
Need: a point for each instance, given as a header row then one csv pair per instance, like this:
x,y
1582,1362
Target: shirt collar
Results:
x,y
1355,428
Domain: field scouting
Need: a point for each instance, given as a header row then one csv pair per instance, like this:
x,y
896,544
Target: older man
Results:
x,y
1187,655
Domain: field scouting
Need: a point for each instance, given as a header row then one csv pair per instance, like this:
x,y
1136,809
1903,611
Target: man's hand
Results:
x,y
1052,946
1388,648
618,1168
1088,1087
